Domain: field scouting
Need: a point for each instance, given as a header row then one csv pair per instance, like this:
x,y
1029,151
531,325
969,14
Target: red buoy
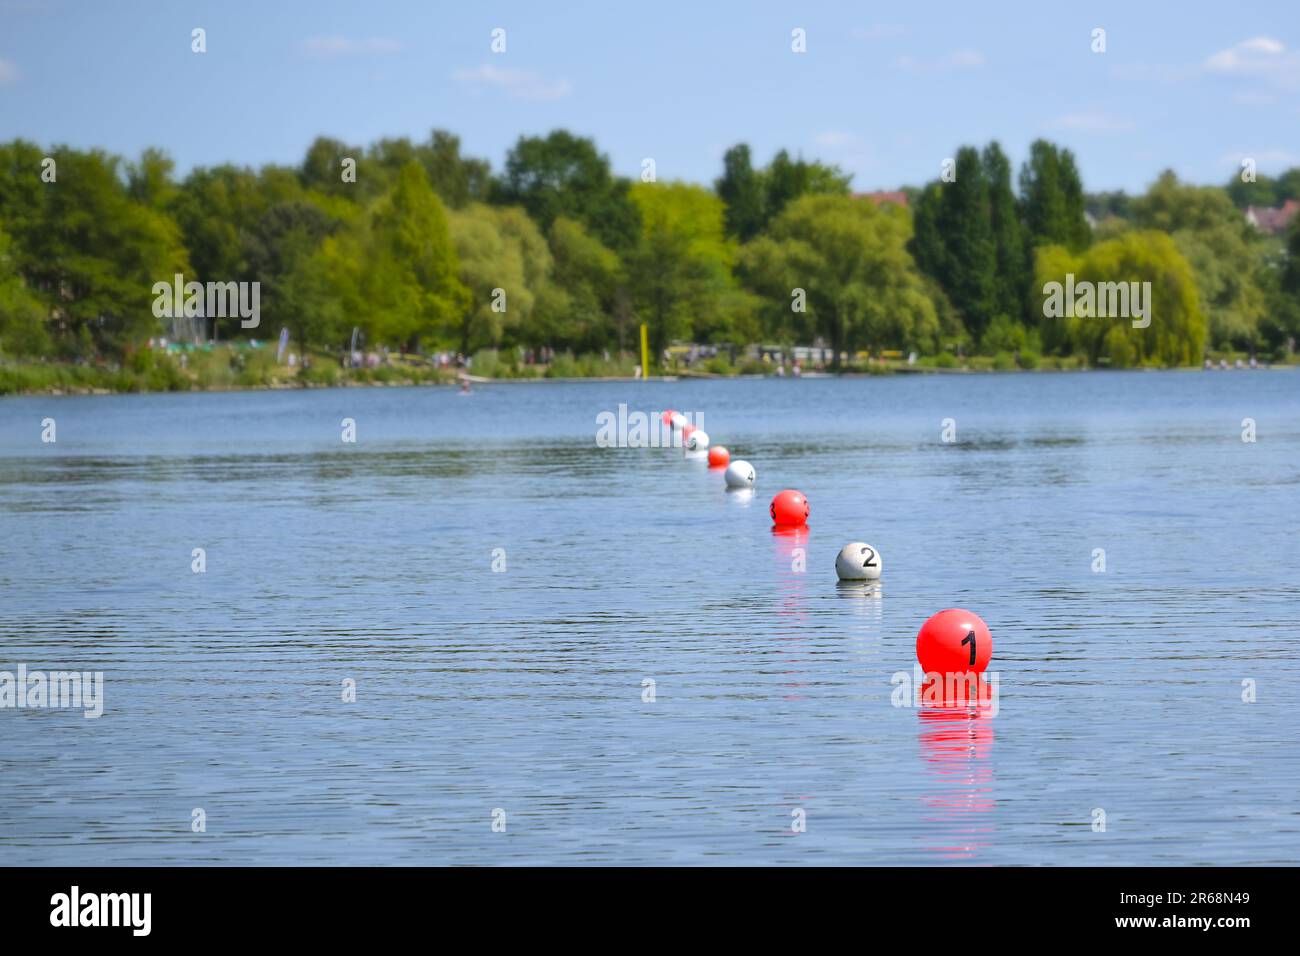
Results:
x,y
719,457
686,432
789,509
954,641
667,417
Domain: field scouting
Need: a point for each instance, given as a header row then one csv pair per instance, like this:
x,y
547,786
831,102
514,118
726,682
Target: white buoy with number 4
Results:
x,y
858,562
740,474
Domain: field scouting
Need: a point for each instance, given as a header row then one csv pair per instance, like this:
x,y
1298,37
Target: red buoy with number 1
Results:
x,y
954,641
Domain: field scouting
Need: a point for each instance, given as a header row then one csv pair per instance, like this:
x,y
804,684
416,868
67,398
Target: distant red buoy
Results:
x,y
954,641
719,457
789,509
686,432
667,417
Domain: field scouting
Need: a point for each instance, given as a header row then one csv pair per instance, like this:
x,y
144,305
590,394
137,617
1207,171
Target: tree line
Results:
x,y
421,247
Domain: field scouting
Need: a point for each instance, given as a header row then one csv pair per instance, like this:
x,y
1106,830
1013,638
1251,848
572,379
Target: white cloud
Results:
x,y
1259,58
336,46
957,60
1092,123
1245,56
518,84
8,72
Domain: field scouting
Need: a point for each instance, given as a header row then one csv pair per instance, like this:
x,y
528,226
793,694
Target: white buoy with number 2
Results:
x,y
858,561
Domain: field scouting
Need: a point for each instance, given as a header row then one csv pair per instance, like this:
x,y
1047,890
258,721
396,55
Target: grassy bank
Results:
x,y
234,368
228,368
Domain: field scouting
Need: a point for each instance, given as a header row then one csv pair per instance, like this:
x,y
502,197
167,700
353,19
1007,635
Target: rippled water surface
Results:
x,y
523,691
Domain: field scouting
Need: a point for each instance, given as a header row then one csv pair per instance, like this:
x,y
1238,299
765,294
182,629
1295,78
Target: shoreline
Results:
x,y
280,386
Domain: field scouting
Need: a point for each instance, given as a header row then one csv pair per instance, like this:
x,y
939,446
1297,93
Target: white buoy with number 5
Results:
x,y
697,440
858,562
740,474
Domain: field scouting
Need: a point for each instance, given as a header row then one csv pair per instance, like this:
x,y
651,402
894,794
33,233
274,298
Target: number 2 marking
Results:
x,y
970,639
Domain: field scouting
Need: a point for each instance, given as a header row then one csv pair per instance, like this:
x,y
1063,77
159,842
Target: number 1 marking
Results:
x,y
970,639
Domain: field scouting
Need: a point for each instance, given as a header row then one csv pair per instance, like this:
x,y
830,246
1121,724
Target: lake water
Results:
x,y
479,691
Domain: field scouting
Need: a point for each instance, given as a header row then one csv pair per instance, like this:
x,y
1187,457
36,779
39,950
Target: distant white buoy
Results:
x,y
740,474
698,440
678,421
858,562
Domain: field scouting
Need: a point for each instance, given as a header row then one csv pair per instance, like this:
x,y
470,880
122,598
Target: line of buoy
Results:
x,y
954,642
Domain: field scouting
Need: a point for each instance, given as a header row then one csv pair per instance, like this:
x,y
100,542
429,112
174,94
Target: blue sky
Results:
x,y
887,90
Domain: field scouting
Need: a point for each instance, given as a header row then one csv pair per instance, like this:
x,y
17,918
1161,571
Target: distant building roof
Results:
x,y
1272,221
897,197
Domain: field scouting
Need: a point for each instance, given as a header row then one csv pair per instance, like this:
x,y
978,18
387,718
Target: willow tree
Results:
x,y
849,259
506,266
1143,264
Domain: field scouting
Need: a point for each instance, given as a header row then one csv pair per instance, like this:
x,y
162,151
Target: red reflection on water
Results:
x,y
955,744
791,556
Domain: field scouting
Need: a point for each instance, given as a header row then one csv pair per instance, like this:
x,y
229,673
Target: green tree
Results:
x,y
1220,245
850,259
564,175
969,238
416,285
786,179
1051,194
505,264
215,208
928,245
458,179
322,168
1176,334
22,317
1265,191
966,224
679,273
149,180
92,253
1279,280
741,188
579,313
1011,272
277,248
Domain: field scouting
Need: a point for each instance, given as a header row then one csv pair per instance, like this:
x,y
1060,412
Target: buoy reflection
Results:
x,y
956,743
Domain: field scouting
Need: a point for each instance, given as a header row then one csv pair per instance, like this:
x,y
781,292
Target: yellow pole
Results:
x,y
645,353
